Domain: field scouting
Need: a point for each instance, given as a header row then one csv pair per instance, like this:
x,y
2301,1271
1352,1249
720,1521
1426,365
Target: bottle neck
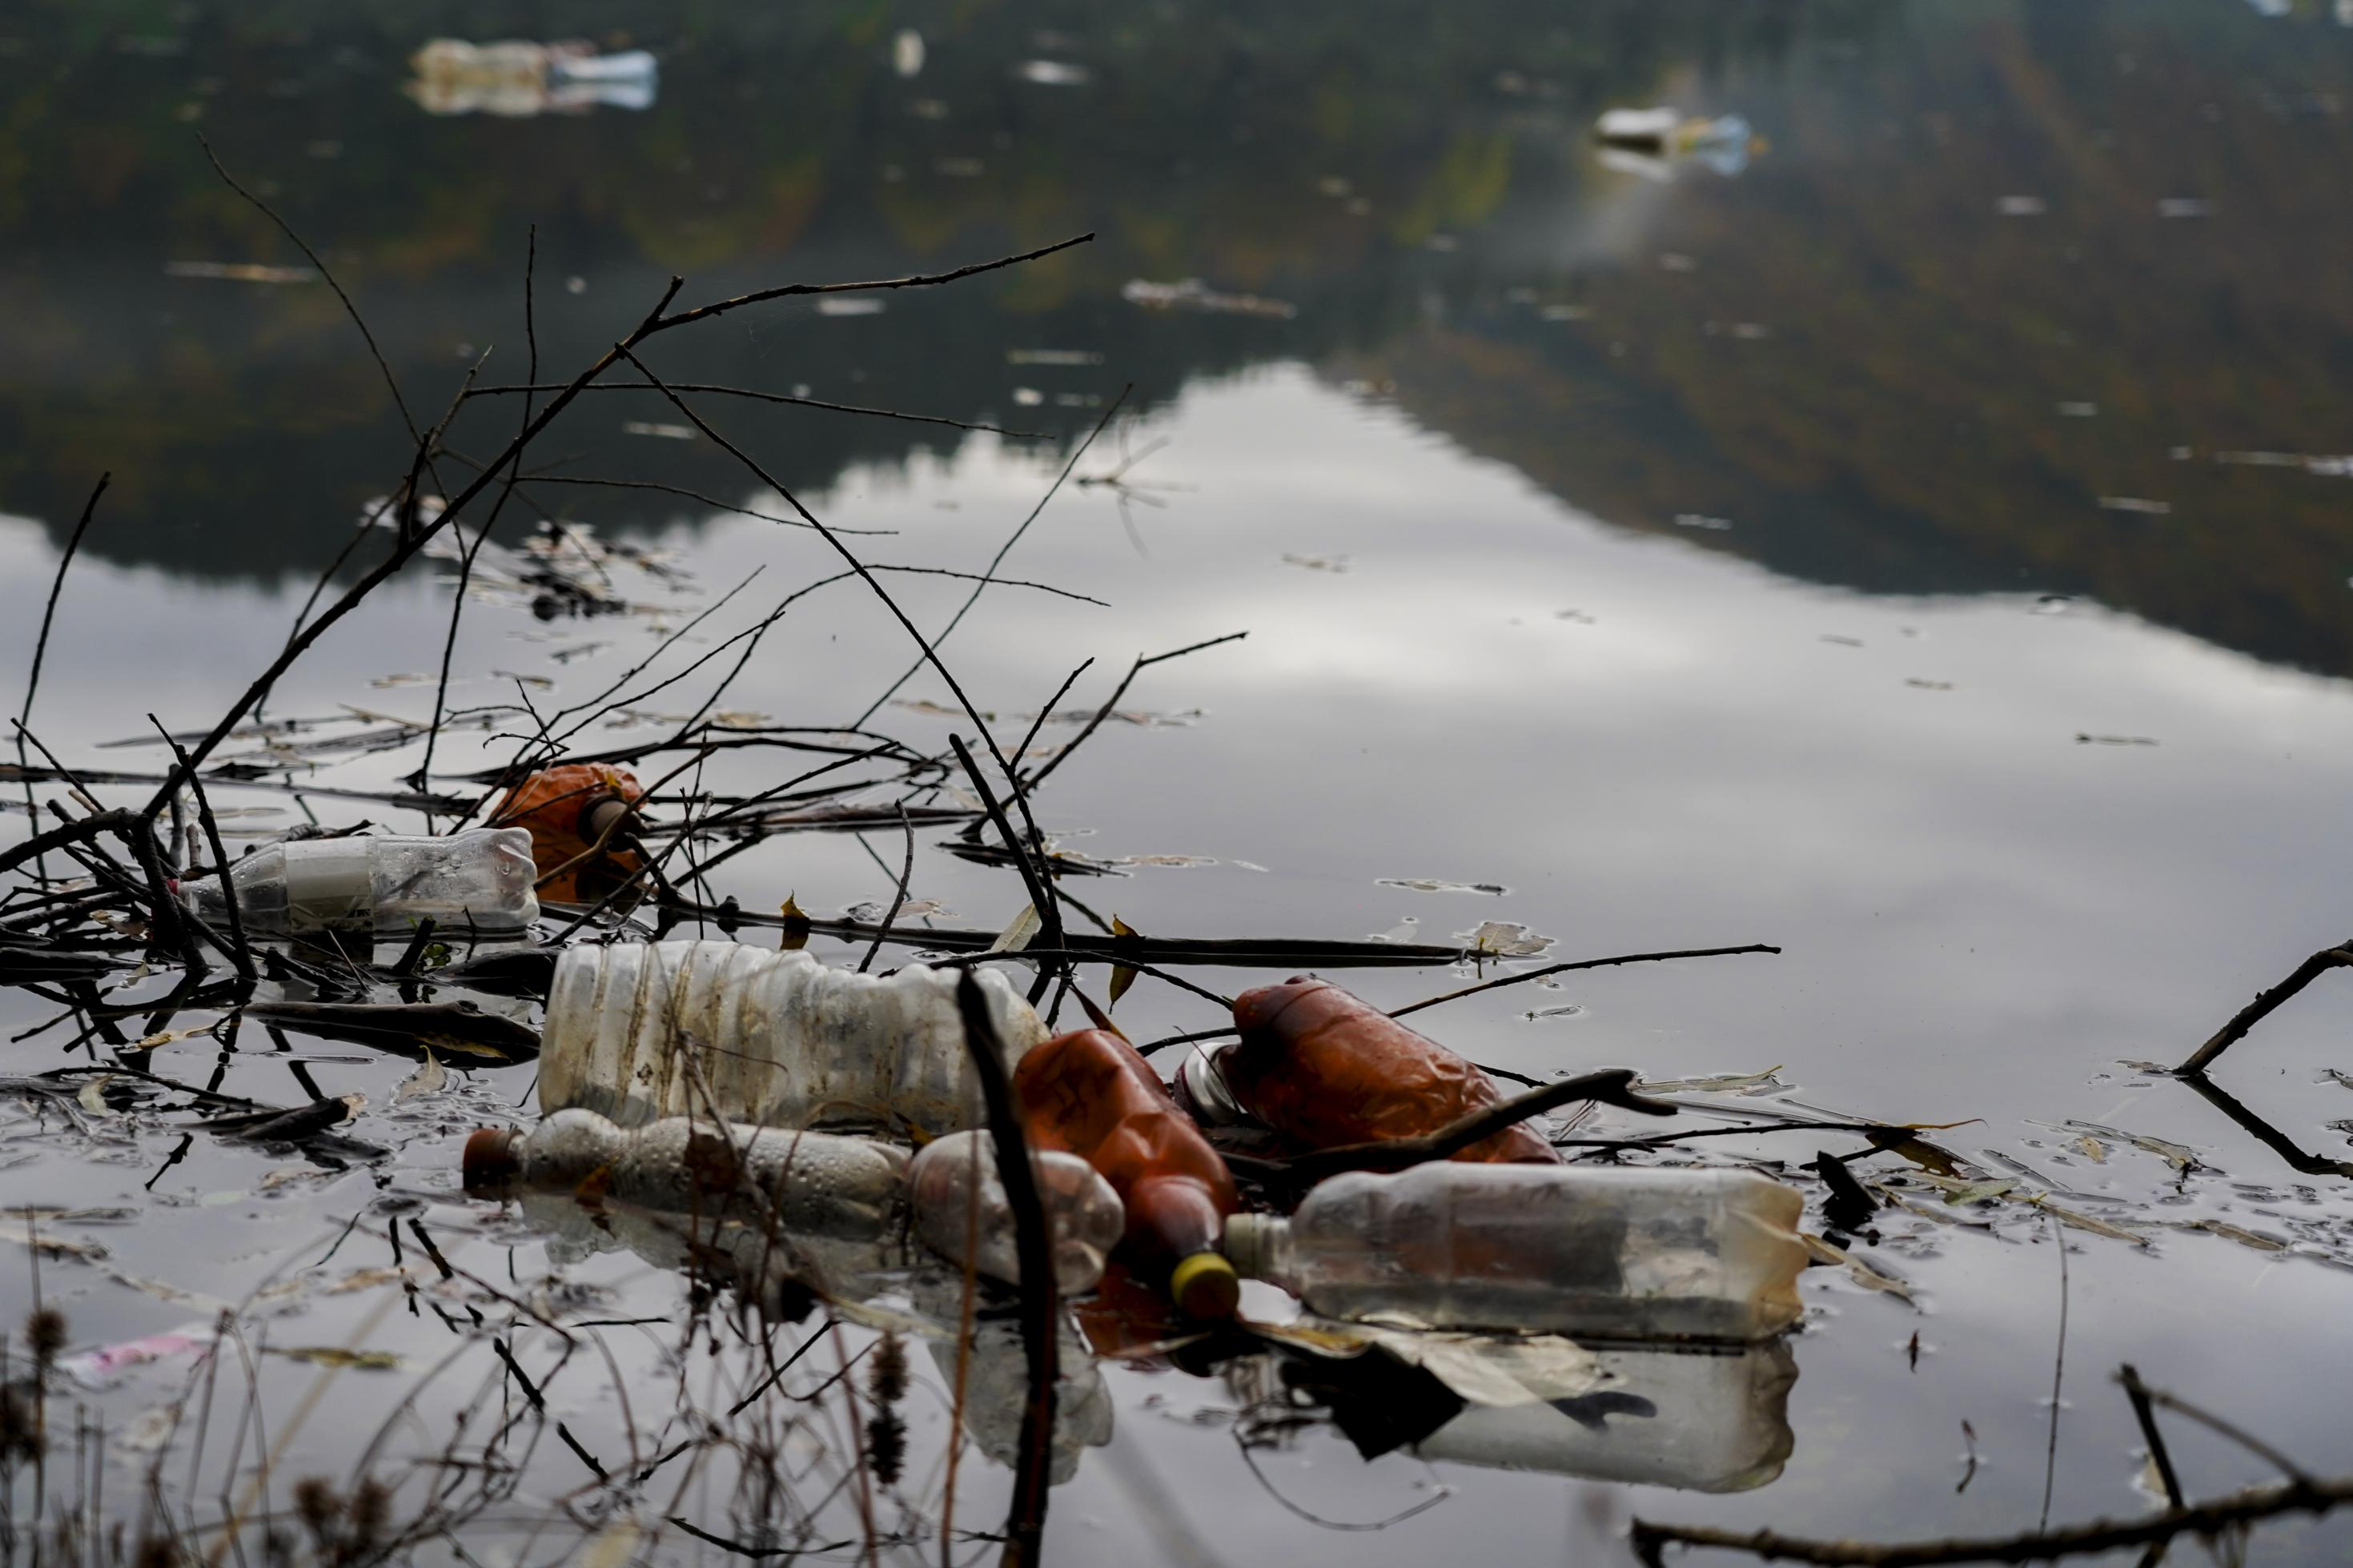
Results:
x,y
1258,1246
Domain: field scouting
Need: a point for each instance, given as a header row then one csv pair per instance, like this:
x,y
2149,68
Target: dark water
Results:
x,y
1925,548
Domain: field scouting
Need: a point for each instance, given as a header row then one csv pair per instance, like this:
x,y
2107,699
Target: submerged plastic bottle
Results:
x,y
1616,1253
477,880
1090,1093
1083,1215
1322,1067
574,815
778,1039
817,1183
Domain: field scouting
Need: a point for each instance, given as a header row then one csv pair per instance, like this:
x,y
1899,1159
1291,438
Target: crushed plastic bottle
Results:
x,y
1651,142
1090,1093
776,1039
575,813
1322,1067
477,881
817,1183
1631,1254
1084,1214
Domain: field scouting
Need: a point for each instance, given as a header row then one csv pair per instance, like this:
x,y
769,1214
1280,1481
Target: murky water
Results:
x,y
1922,549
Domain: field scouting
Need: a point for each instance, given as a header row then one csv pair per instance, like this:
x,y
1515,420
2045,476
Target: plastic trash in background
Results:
x,y
1324,1068
574,815
96,1368
1084,1214
1653,141
517,78
776,1039
1699,1420
1090,1093
1616,1253
479,880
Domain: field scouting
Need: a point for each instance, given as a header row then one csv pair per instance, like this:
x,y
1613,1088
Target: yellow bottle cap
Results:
x,y
1205,1286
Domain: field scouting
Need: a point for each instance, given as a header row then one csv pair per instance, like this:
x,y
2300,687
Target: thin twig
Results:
x,y
1525,975
797,402
2137,1392
1025,1521
242,954
48,613
2254,1012
898,897
2209,1518
1142,663
1002,550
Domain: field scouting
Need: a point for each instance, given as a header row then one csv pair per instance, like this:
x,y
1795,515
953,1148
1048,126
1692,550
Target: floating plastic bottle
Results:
x,y
1613,1252
1325,1069
815,1182
1090,1093
574,815
479,880
1083,1215
776,1039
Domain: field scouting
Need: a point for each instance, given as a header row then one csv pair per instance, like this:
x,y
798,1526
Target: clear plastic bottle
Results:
x,y
1616,1253
817,1184
778,1039
1084,1214
477,880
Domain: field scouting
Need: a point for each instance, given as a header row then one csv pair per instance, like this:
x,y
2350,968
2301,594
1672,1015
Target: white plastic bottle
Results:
x,y
776,1039
1610,1252
819,1183
1084,1214
477,880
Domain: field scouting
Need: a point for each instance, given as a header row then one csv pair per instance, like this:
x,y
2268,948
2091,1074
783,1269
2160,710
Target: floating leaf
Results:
x,y
341,1356
91,1098
1018,935
1724,1083
2180,1155
172,1036
1121,975
1503,939
2094,1150
429,1079
1868,1275
2085,1222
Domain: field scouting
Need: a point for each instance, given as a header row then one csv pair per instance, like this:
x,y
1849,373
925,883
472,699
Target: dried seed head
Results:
x,y
371,1508
886,1446
45,1330
887,1379
321,1509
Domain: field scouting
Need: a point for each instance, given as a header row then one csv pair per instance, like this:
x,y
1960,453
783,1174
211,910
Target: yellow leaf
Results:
x,y
1121,975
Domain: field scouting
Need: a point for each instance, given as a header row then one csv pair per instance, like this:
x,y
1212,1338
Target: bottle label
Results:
x,y
328,887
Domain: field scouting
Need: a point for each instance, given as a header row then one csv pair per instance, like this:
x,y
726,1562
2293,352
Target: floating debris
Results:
x,y
2136,504
2021,206
1054,73
1192,294
667,432
1433,885
239,272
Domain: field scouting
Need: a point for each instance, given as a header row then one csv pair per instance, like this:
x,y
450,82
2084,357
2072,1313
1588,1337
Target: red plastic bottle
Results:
x,y
568,810
1089,1092
1319,1066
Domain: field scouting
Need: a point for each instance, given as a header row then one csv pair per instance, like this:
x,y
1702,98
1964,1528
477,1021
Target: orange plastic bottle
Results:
x,y
1319,1066
1090,1093
568,810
